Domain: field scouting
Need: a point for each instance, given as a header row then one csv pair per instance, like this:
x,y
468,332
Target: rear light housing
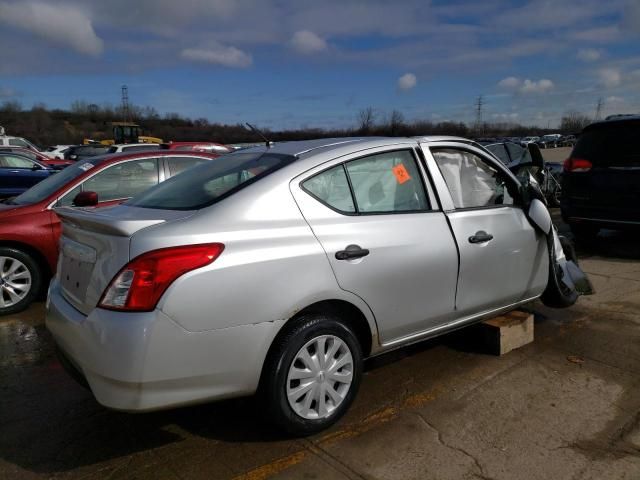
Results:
x,y
576,165
138,286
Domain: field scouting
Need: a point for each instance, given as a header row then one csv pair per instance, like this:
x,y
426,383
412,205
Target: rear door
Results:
x,y
503,259
385,237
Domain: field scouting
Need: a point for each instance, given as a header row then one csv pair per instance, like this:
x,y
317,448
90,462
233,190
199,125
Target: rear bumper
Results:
x,y
145,361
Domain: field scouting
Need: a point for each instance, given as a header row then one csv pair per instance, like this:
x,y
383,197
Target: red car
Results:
x,y
198,147
55,163
30,229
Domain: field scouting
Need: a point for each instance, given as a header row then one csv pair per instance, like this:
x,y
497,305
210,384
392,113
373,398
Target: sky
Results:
x,y
284,64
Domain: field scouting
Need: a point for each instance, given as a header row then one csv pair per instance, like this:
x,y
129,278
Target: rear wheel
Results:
x,y
312,375
20,280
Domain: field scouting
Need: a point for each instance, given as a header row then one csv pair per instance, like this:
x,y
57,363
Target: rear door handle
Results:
x,y
480,237
352,252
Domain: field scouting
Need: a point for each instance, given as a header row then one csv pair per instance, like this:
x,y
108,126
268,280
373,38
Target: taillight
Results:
x,y
576,165
140,283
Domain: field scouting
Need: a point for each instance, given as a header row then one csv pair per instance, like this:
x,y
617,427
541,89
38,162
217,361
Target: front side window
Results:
x,y
472,182
9,161
123,180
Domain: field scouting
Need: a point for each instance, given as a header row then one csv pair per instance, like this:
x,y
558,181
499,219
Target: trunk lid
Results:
x,y
94,246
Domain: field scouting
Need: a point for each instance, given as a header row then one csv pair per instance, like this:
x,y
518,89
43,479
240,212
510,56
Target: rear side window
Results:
x,y
9,161
18,142
210,182
180,164
332,188
388,182
123,180
614,145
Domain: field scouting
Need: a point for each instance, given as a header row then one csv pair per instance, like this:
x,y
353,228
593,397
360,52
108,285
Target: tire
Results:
x,y
20,280
556,295
304,414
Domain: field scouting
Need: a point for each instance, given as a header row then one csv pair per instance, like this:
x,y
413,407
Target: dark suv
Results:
x,y
601,179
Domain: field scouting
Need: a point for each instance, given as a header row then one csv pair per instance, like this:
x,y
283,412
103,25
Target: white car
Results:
x,y
56,151
133,147
9,141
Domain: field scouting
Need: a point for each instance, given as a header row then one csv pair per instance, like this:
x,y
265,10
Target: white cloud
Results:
x,y
510,82
7,92
589,54
613,99
610,77
306,42
533,86
526,86
505,117
217,54
61,24
407,81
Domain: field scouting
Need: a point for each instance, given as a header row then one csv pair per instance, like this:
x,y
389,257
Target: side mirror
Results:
x,y
85,199
36,167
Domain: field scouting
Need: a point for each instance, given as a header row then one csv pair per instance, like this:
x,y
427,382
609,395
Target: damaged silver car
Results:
x,y
278,269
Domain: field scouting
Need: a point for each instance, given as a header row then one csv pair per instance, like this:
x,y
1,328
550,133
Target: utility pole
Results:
x,y
599,108
479,104
125,103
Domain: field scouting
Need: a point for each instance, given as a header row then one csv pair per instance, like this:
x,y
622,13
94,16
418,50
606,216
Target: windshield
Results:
x,y
211,181
50,185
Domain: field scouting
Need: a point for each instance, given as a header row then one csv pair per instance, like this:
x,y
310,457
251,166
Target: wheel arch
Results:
x,y
346,311
37,255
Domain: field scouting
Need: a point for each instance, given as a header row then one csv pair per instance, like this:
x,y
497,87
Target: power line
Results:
x,y
479,104
599,108
125,103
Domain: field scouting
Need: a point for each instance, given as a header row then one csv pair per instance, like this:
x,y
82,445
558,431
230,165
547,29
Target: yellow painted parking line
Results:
x,y
272,468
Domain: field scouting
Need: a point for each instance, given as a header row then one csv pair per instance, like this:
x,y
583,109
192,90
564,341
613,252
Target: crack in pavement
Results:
x,y
442,442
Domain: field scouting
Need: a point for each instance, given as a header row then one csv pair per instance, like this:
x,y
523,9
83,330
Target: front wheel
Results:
x,y
312,375
20,280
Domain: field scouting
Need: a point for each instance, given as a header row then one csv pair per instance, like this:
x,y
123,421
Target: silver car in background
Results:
x,y
278,269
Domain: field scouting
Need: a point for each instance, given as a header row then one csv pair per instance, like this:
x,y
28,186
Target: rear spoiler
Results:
x,y
94,220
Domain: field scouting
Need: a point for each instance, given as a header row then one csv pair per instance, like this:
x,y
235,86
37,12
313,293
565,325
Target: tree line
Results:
x,y
45,126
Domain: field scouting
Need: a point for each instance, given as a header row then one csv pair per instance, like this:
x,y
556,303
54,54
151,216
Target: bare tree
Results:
x,y
366,119
573,121
396,123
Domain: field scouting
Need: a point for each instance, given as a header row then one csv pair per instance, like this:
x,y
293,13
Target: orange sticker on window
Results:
x,y
401,174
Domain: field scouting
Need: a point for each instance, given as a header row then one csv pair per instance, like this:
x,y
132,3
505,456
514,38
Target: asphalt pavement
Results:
x,y
564,407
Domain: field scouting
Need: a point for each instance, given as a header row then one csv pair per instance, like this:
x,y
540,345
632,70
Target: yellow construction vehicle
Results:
x,y
125,132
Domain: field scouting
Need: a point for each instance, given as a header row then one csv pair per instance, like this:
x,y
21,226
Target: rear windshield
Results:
x,y
52,184
205,184
615,145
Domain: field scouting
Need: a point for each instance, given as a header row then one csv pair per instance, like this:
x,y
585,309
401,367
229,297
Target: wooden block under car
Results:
x,y
507,332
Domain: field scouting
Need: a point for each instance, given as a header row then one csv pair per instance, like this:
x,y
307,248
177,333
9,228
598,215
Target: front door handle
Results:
x,y
352,252
480,237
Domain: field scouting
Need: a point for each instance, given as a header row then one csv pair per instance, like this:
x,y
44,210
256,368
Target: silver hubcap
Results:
x,y
15,281
320,377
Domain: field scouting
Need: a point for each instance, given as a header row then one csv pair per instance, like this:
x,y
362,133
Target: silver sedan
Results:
x,y
278,269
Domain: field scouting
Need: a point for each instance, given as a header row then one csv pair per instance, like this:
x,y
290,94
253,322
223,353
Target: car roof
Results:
x,y
612,120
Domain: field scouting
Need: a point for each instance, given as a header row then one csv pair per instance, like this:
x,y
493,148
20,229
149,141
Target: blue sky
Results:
x,y
290,64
